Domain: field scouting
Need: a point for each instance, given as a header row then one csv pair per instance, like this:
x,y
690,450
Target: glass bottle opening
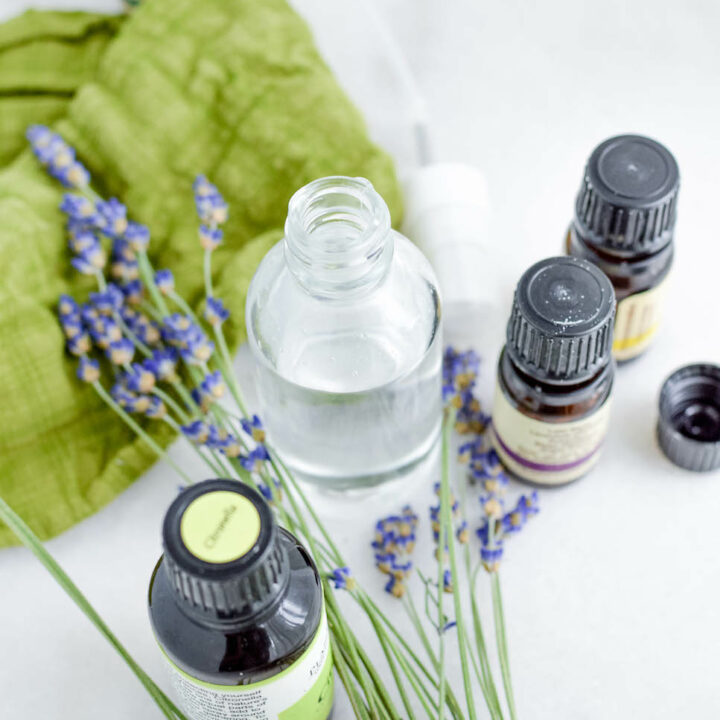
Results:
x,y
337,236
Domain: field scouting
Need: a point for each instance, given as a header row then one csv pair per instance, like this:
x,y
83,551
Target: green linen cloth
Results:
x,y
44,58
233,89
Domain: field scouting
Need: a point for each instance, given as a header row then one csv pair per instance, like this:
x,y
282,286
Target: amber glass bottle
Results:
x,y
624,223
555,374
236,605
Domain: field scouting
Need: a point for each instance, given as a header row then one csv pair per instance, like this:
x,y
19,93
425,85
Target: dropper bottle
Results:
x,y
236,605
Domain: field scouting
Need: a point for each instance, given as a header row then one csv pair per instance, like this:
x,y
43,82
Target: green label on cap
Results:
x,y
220,526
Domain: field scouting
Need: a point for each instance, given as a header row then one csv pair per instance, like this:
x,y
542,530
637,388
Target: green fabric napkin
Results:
x,y
233,89
44,58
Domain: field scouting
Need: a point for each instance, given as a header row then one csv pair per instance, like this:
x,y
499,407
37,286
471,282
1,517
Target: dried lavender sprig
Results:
x,y
115,222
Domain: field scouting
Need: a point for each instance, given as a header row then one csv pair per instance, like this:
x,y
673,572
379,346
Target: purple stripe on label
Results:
x,y
540,466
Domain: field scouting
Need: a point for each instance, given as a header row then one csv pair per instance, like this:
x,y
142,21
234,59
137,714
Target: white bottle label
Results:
x,y
636,322
303,691
548,453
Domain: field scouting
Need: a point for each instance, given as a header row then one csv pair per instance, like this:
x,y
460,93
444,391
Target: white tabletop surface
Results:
x,y
611,592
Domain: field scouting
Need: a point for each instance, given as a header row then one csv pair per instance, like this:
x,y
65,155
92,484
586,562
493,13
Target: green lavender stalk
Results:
x,y
447,524
28,538
483,672
109,219
501,637
368,694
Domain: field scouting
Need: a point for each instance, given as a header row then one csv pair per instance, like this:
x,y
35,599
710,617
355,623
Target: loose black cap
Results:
x,y
560,327
628,197
222,554
689,423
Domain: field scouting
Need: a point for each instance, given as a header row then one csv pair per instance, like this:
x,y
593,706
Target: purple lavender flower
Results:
x,y
253,462
459,377
227,444
141,326
72,325
460,369
395,587
104,332
137,236
515,520
68,308
213,385
215,312
162,364
254,428
79,344
197,431
133,292
90,260
120,352
342,578
156,409
89,314
196,348
394,543
88,370
108,301
175,328
139,379
209,203
165,281
210,238
123,397
491,556
82,240
57,157
79,209
46,144
124,271
112,217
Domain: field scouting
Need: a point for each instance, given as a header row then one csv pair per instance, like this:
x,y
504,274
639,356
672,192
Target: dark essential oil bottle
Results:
x,y
624,223
555,373
236,605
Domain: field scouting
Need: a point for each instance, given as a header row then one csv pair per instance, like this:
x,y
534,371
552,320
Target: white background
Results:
x,y
612,593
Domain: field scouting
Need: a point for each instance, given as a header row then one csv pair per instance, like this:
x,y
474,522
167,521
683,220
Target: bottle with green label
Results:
x,y
236,605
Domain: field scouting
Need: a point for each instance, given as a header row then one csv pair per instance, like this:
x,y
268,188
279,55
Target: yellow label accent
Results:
x,y
633,342
220,526
636,322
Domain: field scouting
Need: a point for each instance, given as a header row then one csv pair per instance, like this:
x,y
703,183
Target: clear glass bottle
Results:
x,y
343,318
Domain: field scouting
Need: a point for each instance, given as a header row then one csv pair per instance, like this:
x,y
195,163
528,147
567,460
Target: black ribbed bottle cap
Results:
x,y
627,200
689,422
560,327
222,554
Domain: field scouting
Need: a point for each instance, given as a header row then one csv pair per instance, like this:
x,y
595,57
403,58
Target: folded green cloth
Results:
x,y
233,89
44,58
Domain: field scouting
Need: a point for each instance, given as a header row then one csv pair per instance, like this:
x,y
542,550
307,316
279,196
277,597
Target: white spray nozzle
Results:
x,y
446,215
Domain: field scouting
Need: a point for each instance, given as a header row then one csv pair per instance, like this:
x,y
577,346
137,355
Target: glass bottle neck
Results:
x,y
338,242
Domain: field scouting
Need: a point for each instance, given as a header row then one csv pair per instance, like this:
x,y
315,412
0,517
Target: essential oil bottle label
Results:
x,y
636,322
304,691
548,453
